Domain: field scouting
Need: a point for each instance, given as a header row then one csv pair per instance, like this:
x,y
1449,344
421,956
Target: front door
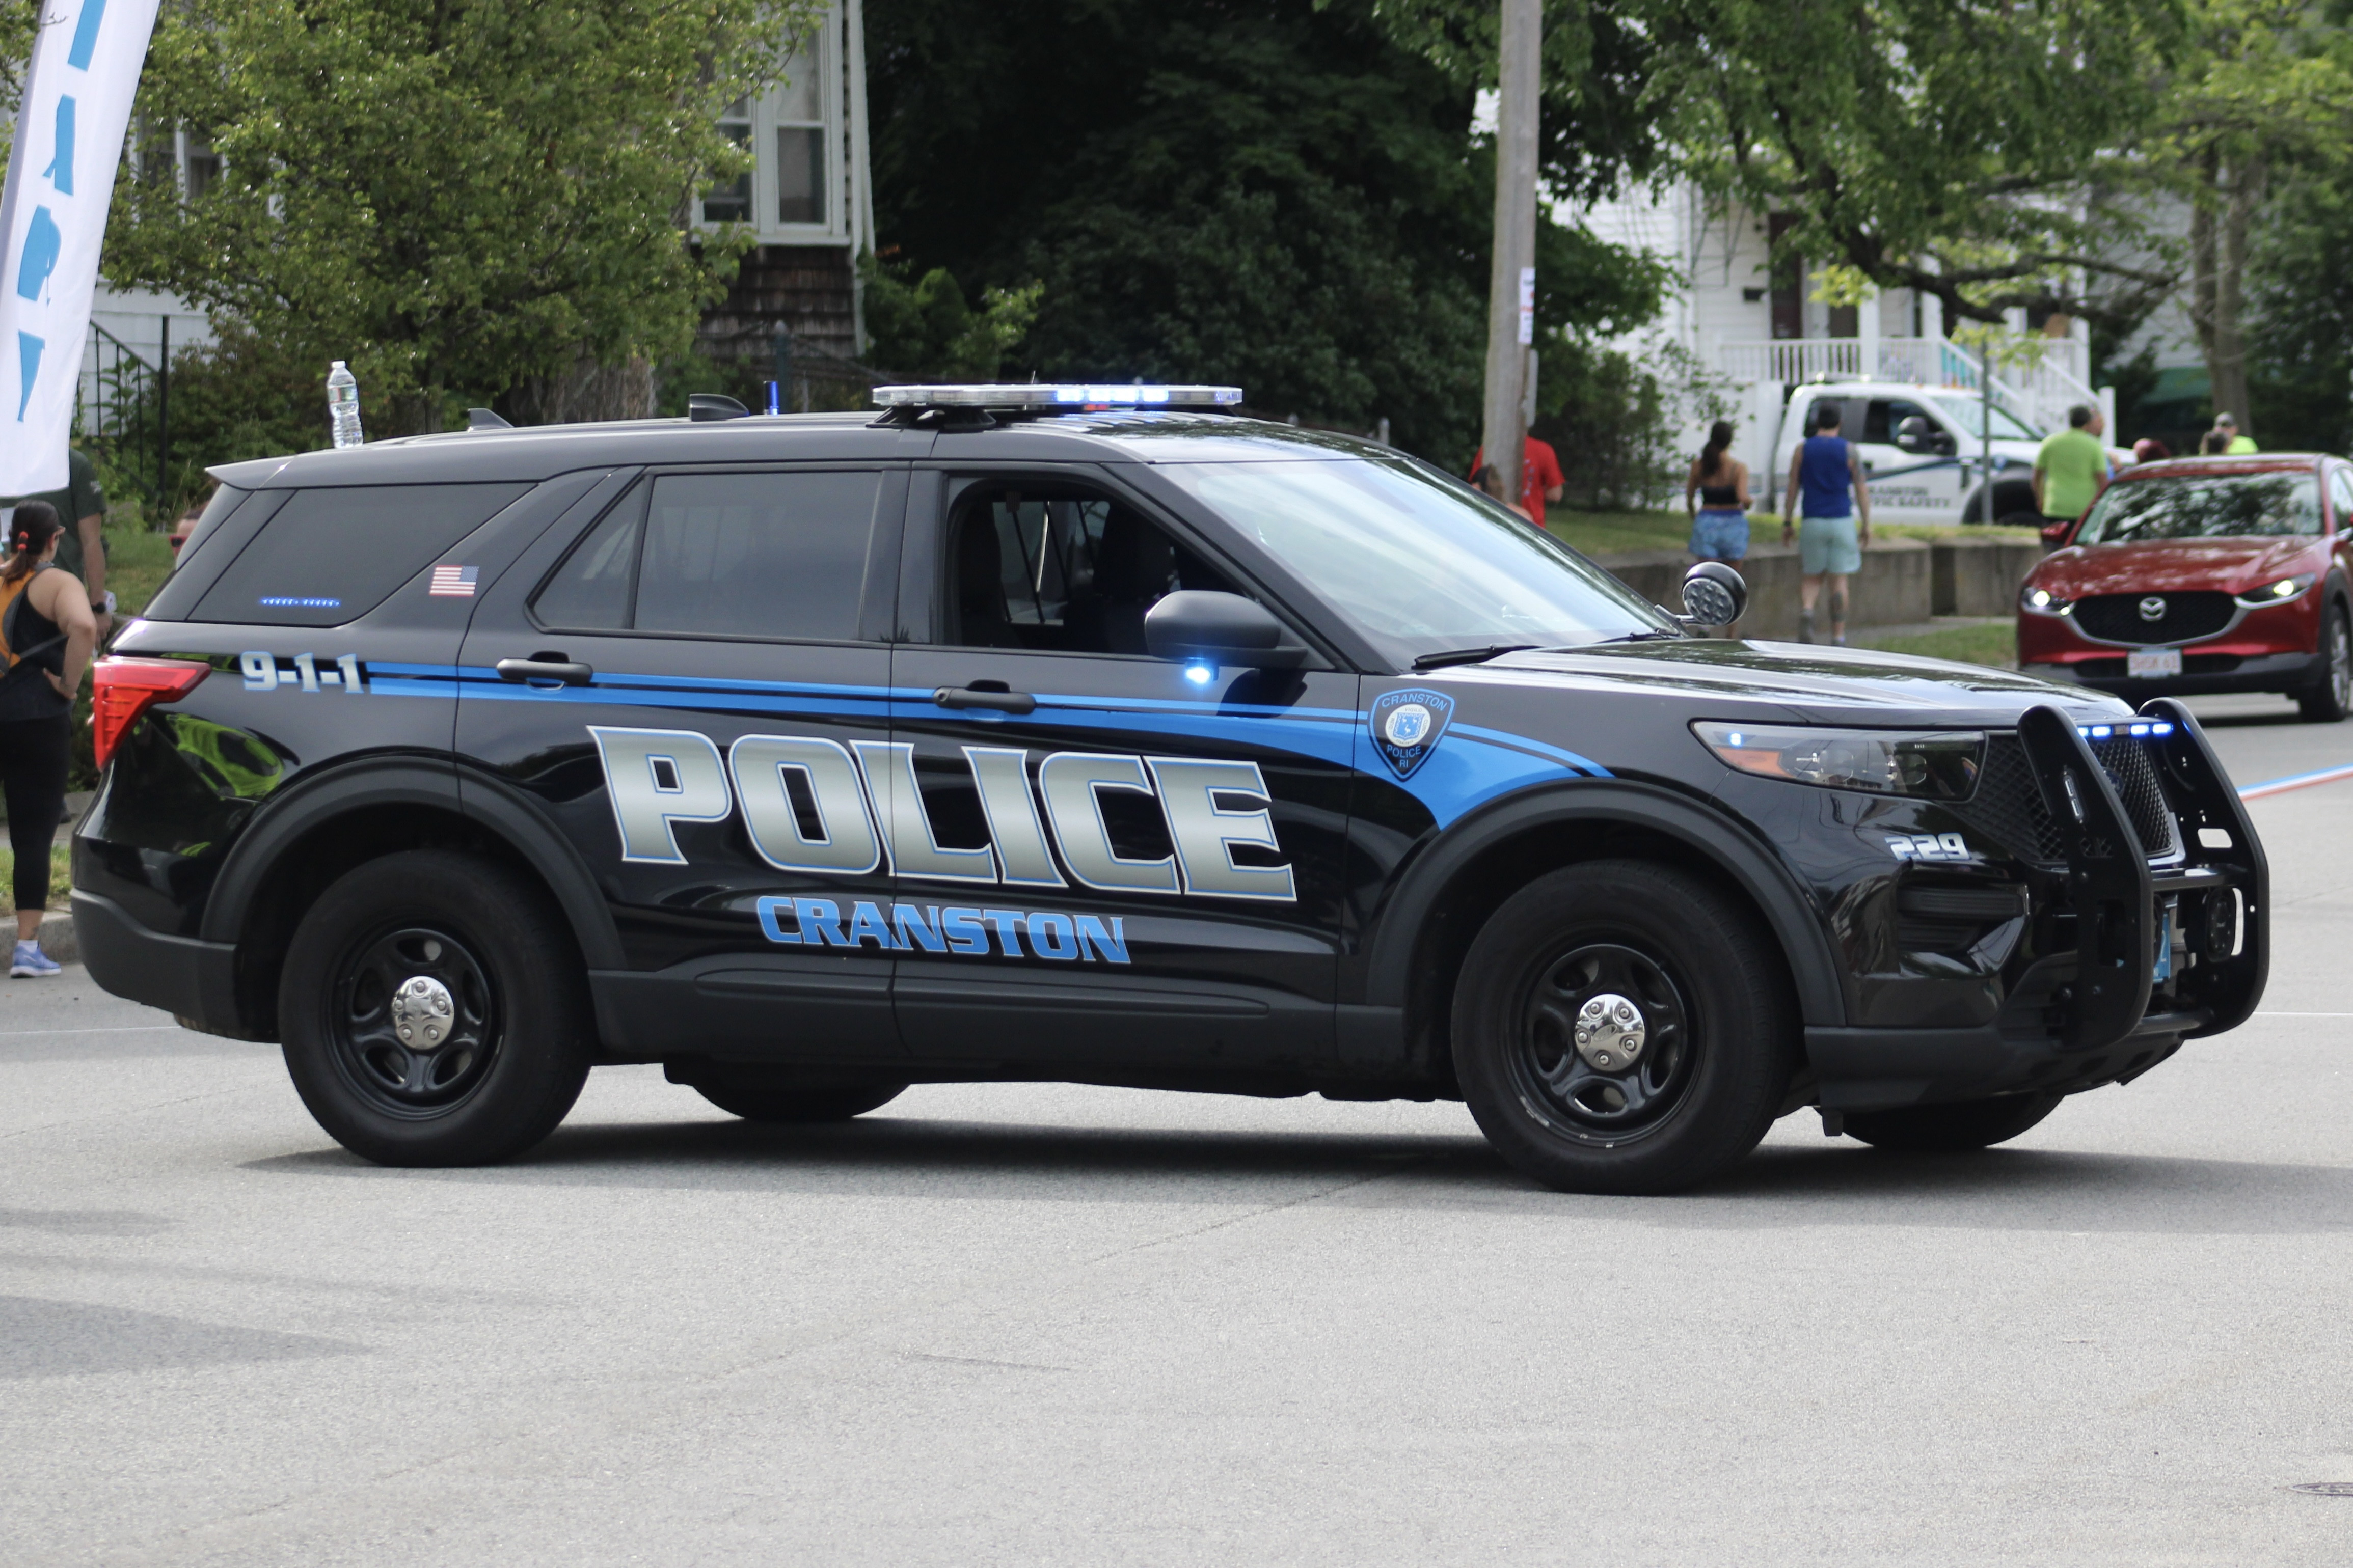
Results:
x,y
1108,859
686,687
1906,486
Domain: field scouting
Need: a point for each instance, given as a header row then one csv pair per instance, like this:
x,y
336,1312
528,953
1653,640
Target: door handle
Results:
x,y
971,696
561,671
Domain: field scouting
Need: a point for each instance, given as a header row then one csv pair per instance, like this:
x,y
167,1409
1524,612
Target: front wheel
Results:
x,y
1621,1026
434,1012
2332,698
1951,1128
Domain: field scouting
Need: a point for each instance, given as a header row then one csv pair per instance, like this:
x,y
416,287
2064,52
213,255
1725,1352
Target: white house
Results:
x,y
1766,331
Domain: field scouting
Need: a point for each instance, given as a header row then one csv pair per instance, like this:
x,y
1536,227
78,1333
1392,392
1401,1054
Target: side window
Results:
x,y
1887,416
773,555
329,556
2340,498
1056,568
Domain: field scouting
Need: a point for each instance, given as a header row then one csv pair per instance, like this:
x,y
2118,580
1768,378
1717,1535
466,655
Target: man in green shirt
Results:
x,y
81,548
2071,468
2233,444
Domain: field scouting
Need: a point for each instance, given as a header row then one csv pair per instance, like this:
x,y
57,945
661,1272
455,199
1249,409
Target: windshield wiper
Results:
x,y
1638,636
1468,655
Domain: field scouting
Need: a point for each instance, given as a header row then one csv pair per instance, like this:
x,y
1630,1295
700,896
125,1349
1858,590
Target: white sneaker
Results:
x,y
31,964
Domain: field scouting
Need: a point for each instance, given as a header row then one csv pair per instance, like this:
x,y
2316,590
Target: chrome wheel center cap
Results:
x,y
1609,1033
422,1011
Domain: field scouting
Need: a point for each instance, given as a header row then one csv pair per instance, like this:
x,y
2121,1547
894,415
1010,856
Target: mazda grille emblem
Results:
x,y
2152,608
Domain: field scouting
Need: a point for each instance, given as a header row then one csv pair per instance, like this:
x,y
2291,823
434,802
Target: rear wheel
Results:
x,y
755,1102
1620,1027
2332,698
1947,1129
434,1012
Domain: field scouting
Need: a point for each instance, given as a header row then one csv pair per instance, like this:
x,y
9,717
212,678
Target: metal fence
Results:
x,y
123,407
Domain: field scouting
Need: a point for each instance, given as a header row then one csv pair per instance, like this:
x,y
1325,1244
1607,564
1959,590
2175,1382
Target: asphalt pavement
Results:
x,y
1054,1324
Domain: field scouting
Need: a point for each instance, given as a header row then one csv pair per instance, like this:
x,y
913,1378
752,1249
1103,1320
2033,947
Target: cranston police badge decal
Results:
x,y
1406,726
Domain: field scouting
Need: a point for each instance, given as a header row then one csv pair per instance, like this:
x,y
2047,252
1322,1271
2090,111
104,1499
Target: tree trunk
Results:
x,y
2218,223
586,393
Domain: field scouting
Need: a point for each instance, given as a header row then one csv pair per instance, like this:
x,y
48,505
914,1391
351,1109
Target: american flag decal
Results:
x,y
453,582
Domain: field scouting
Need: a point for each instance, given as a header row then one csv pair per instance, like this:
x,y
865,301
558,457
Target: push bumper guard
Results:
x,y
2098,1028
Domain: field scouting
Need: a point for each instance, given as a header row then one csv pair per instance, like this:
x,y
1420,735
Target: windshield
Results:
x,y
1420,563
2204,505
1968,415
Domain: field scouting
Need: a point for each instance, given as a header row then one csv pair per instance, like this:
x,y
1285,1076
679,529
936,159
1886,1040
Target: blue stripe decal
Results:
x,y
1475,765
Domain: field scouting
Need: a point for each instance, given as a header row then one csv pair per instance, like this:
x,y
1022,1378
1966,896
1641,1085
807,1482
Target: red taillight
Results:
x,y
123,688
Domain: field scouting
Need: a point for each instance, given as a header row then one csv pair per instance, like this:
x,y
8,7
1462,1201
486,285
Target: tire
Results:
x,y
1950,1129
494,972
1704,981
2332,698
799,1107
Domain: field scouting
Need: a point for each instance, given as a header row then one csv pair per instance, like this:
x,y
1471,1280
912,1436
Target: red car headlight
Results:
x,y
2278,593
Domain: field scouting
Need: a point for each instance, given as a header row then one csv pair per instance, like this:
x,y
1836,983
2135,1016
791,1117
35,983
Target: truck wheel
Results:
x,y
800,1107
1947,1129
434,1012
1620,1027
2332,698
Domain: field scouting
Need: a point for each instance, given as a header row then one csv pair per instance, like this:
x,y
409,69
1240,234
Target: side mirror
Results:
x,y
1221,629
2054,534
1715,594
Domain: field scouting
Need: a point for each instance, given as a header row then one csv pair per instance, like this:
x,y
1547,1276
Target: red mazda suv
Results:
x,y
2202,574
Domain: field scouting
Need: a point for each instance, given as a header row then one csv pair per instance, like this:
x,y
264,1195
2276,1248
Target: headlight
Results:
x,y
2278,593
1936,764
2043,599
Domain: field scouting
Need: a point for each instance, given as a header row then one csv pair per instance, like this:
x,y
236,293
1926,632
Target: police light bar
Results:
x,y
1035,395
2138,729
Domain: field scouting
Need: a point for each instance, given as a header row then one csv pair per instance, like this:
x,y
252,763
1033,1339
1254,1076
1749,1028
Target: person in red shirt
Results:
x,y
1540,478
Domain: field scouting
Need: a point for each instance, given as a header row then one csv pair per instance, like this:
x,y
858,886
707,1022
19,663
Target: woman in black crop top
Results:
x,y
1720,482
48,632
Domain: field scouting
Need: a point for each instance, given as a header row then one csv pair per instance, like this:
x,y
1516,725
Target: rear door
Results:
x,y
1107,858
682,686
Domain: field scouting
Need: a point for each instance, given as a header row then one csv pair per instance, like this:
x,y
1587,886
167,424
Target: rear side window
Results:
x,y
331,555
775,555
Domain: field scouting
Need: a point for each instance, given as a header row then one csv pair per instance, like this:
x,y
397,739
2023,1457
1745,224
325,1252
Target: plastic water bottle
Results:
x,y
344,405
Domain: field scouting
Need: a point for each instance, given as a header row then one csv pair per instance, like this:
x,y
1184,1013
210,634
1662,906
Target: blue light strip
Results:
x,y
2138,729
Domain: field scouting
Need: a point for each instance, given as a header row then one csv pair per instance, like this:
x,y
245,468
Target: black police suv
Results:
x,y
997,737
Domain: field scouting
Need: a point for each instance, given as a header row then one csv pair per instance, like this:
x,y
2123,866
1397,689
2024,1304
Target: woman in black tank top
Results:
x,y
46,624
1720,481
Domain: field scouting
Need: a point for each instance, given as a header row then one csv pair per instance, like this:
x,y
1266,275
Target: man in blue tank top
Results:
x,y
1826,471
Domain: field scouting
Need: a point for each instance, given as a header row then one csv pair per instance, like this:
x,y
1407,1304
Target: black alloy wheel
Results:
x,y
435,1012
1623,1026
414,1029
1605,1042
2332,698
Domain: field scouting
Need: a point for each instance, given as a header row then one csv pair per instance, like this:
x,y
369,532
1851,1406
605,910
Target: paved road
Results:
x,y
1059,1324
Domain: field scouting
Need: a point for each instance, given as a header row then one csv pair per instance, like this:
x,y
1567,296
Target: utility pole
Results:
x,y
1511,288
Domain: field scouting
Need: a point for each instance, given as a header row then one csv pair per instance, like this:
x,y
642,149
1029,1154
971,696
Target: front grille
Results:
x,y
2116,617
2009,808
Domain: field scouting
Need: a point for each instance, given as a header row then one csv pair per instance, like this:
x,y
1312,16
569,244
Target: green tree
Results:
x,y
2265,87
467,199
925,330
1276,195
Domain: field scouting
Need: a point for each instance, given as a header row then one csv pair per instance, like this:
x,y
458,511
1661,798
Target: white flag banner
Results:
x,y
77,93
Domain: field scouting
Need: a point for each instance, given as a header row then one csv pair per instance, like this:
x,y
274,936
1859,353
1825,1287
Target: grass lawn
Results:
x,y
1994,643
58,881
1607,533
136,564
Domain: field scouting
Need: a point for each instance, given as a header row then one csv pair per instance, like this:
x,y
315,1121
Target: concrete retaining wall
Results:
x,y
1903,582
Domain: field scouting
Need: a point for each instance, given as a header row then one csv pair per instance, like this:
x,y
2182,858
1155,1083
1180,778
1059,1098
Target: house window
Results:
x,y
730,202
800,142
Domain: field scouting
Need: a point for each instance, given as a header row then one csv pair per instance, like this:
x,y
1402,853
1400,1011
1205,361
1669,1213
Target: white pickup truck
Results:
x,y
1928,472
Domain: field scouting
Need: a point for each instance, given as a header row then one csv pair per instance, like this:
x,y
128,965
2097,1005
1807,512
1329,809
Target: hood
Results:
x,y
1805,683
2164,565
